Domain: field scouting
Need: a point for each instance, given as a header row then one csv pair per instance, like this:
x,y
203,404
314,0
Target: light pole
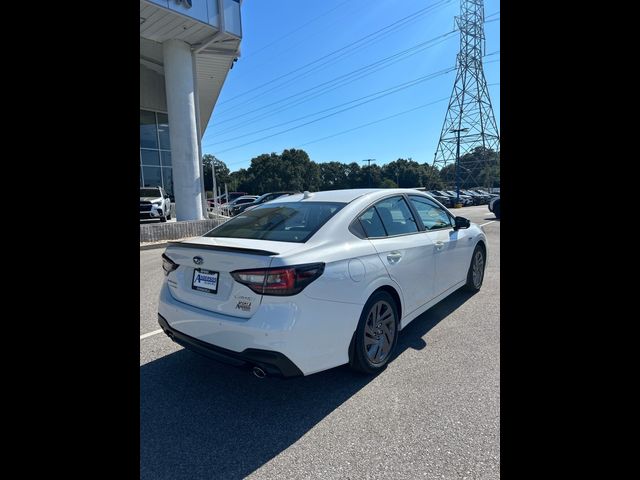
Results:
x,y
457,132
213,175
369,167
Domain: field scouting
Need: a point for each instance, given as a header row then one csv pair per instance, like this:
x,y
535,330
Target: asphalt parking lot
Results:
x,y
433,413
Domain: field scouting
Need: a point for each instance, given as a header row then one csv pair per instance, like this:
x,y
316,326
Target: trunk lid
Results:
x,y
221,256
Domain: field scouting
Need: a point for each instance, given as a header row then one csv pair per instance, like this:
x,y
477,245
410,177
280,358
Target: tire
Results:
x,y
496,210
169,213
372,357
163,219
478,261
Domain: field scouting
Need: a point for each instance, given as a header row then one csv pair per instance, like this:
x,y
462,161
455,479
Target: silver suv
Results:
x,y
154,204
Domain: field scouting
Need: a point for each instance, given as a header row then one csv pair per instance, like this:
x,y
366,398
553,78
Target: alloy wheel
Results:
x,y
379,332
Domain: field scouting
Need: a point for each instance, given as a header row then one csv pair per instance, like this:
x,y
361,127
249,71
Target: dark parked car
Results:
x,y
239,201
446,200
494,206
476,197
465,199
222,199
490,196
267,197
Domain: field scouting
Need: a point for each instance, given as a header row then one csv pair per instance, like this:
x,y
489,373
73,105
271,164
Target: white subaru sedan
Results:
x,y
311,281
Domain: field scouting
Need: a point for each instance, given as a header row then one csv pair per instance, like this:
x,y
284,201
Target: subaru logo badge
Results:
x,y
198,260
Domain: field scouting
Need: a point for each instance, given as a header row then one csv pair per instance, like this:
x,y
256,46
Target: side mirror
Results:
x,y
166,196
462,222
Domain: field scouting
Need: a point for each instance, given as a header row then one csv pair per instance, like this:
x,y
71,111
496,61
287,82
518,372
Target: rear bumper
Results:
x,y
274,363
313,334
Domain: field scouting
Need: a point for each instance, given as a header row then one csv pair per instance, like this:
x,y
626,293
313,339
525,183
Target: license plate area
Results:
x,y
205,280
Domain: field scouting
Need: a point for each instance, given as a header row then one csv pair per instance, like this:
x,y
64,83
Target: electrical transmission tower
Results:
x,y
469,127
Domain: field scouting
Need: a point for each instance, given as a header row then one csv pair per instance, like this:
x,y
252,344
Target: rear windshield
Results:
x,y
280,222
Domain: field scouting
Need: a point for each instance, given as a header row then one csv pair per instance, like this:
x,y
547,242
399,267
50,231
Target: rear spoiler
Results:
x,y
221,248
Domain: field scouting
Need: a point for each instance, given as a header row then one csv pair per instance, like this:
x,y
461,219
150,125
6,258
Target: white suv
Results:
x,y
154,203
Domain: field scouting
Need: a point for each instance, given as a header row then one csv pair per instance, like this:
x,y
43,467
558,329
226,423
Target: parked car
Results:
x,y
308,282
222,199
494,206
154,204
446,200
476,197
243,199
452,195
267,197
240,201
485,193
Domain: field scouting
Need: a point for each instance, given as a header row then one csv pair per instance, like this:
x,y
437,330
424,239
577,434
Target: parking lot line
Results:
x,y
150,334
487,223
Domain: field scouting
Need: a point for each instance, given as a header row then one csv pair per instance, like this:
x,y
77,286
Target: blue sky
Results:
x,y
285,36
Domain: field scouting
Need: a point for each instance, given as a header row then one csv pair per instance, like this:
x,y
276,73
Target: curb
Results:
x,y
155,245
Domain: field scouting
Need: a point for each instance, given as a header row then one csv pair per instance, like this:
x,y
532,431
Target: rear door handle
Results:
x,y
394,257
439,244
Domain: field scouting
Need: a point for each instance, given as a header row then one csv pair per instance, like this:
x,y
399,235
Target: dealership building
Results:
x,y
187,47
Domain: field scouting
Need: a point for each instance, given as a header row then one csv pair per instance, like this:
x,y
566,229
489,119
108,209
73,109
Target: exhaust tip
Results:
x,y
258,372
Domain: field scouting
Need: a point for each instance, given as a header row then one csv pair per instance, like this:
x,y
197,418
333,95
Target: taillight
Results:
x,y
280,280
168,265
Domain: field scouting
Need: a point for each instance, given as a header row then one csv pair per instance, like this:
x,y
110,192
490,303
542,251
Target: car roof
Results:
x,y
345,196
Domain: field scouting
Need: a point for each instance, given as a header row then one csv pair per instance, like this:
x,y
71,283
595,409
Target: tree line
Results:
x,y
294,170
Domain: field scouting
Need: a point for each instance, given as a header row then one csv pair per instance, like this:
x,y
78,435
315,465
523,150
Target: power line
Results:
x,y
319,66
253,54
424,105
377,95
395,89
343,132
416,81
339,81
394,26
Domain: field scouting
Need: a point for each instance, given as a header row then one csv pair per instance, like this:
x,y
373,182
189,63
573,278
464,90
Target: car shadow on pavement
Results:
x,y
203,419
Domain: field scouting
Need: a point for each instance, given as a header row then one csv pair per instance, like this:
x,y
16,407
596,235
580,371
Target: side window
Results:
x,y
396,216
371,223
432,216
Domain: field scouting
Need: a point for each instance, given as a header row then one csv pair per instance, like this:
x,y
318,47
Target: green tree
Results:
x,y
291,170
480,167
242,181
448,176
431,177
299,171
334,176
405,172
223,175
265,173
370,177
